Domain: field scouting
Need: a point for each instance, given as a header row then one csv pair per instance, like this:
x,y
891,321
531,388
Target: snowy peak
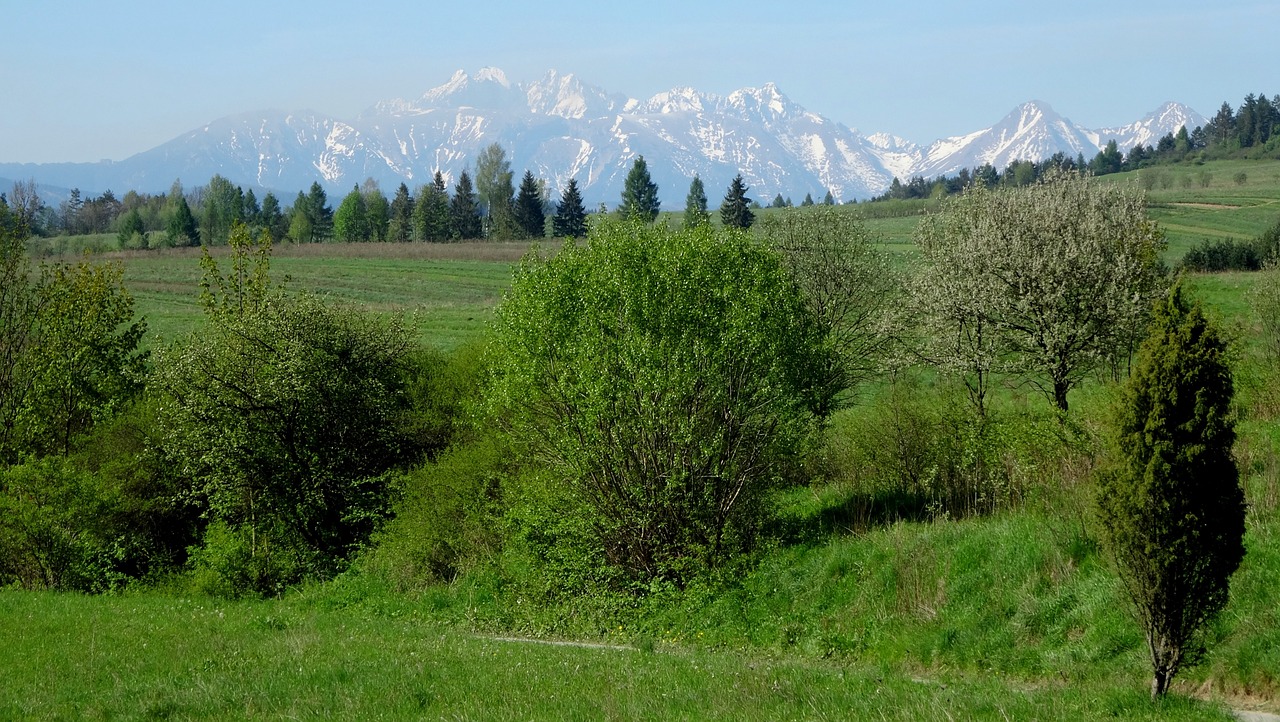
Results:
x,y
766,103
1166,119
676,100
566,96
488,90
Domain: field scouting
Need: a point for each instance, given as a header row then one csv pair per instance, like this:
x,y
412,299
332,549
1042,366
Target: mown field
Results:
x,y
884,615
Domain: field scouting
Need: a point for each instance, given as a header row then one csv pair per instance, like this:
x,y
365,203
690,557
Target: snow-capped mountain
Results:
x,y
561,127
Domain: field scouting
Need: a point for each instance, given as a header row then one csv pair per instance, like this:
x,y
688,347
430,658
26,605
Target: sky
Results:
x,y
86,81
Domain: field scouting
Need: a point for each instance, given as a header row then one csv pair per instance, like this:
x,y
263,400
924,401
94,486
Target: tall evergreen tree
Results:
x,y
829,200
530,217
182,229
319,214
431,221
571,216
1173,508
778,202
464,210
400,225
695,204
272,218
735,211
808,200
639,194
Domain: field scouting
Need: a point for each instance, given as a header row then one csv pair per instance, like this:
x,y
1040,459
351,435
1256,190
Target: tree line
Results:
x,y
1252,130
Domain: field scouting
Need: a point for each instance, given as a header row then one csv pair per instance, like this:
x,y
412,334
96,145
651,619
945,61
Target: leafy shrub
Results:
x,y
1227,254
447,519
668,381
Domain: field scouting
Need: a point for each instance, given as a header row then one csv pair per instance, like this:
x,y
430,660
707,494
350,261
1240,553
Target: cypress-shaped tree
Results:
x,y
571,216
639,194
530,217
735,212
695,204
464,210
1172,506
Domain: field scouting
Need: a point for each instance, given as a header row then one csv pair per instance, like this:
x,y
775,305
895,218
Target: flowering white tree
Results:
x,y
1043,281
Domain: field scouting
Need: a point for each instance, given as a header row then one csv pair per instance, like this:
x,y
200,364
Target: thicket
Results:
x,y
1229,254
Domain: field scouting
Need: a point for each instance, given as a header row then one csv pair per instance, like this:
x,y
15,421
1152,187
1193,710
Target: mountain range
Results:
x,y
560,128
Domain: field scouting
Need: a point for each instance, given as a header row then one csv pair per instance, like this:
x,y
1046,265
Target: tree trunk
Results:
x,y
1060,388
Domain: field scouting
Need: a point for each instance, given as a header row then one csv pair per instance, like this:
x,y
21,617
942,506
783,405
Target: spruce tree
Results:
x,y
829,200
400,227
530,217
431,221
464,211
639,194
182,229
778,202
1172,506
808,201
695,204
571,216
735,212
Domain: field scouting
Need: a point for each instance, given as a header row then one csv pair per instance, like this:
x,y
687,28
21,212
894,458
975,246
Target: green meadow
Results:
x,y
860,607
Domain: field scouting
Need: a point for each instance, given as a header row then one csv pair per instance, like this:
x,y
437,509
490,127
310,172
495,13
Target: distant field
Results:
x,y
445,291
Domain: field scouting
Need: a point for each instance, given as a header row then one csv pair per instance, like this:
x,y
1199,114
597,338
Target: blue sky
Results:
x,y
86,81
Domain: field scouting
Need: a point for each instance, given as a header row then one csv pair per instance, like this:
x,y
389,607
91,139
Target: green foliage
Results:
x,y
639,194
130,225
68,351
448,519
431,220
735,211
667,382
571,216
848,285
377,210
1173,508
52,531
281,415
1047,280
400,225
529,215
695,204
351,220
464,212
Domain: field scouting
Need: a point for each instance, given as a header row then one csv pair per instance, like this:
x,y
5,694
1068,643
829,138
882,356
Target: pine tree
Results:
x,y
778,202
1172,507
464,211
319,214
530,217
735,212
639,194
829,200
695,204
808,200
272,218
400,226
571,216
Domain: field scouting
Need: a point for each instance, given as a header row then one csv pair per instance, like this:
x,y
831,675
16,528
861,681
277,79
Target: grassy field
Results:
x,y
153,657
1015,615
446,292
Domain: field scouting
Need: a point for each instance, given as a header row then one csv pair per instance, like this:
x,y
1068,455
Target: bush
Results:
x,y
447,520
668,380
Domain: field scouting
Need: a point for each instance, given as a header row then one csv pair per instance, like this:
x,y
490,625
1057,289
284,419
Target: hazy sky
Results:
x,y
85,81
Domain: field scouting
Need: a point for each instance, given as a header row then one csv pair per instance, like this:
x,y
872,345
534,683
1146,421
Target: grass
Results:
x,y
154,657
446,291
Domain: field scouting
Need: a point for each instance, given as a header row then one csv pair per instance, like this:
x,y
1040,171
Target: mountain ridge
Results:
x,y
562,127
